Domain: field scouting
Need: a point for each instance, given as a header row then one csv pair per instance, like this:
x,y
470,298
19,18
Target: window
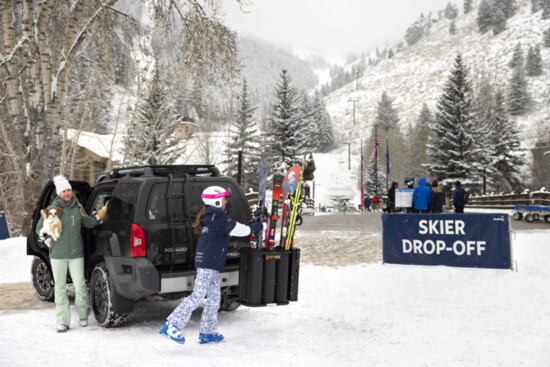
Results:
x,y
122,203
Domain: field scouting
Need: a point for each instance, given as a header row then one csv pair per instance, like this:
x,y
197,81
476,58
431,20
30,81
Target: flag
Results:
x,y
388,166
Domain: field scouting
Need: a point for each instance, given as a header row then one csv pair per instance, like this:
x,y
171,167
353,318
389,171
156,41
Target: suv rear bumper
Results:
x,y
137,278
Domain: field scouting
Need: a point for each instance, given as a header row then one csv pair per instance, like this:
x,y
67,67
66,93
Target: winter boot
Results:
x,y
171,332
210,338
62,328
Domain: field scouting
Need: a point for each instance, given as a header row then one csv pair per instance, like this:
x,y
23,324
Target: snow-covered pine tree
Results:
x,y
245,137
517,57
451,11
546,38
375,177
533,63
508,7
467,6
535,5
325,136
518,94
452,27
485,15
308,121
499,21
154,131
285,128
452,147
386,117
546,9
509,157
419,136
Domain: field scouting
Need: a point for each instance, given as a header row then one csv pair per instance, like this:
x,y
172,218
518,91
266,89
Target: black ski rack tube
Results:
x,y
162,170
268,277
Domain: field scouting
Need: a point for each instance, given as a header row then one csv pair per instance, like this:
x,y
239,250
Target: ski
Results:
x,y
261,210
269,241
290,183
296,200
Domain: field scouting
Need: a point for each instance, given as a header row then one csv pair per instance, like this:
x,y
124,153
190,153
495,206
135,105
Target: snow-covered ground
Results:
x,y
359,315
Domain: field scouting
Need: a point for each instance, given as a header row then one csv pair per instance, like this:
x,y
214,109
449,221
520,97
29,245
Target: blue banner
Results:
x,y
4,230
463,240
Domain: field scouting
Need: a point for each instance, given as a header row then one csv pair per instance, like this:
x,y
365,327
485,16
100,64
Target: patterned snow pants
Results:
x,y
207,284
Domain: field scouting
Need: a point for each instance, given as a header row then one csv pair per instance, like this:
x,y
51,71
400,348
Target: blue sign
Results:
x,y
464,240
4,230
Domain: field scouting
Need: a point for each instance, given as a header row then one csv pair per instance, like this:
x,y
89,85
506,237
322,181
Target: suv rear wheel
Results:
x,y
42,280
102,297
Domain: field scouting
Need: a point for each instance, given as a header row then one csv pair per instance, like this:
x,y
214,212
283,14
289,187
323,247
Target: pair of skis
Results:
x,y
267,240
289,188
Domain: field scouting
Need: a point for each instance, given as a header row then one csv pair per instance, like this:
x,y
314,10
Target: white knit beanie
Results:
x,y
61,183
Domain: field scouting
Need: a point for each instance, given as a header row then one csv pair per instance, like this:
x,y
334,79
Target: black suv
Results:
x,y
146,245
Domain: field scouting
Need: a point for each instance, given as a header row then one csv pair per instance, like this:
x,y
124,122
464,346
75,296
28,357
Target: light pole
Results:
x,y
353,100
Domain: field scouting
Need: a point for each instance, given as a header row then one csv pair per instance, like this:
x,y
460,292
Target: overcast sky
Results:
x,y
332,28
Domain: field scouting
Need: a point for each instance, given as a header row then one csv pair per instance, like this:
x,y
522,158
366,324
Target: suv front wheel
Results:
x,y
102,297
42,280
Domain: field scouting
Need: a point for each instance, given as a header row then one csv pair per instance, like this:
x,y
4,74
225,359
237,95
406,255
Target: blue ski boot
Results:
x,y
171,332
210,338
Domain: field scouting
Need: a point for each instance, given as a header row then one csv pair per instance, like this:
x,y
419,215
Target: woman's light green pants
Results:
x,y
62,309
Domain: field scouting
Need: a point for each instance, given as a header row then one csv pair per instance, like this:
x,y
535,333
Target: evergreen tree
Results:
x,y
390,54
533,64
308,121
153,133
452,147
325,135
517,57
375,177
508,7
546,38
499,21
485,15
386,117
245,137
535,5
467,6
452,28
546,9
518,94
420,135
451,11
509,157
285,127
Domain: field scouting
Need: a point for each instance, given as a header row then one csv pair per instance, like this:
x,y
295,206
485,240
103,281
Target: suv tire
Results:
x,y
102,297
42,280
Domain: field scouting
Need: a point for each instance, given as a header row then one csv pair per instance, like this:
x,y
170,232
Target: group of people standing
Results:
x,y
430,198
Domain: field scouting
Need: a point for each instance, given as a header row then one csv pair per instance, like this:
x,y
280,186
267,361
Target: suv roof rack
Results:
x,y
162,170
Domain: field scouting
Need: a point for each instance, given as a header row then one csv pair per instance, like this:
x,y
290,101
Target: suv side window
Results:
x,y
123,201
101,199
156,205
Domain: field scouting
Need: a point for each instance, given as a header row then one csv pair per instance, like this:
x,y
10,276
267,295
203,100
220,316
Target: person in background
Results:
x,y
437,199
366,203
375,203
391,197
214,227
457,198
67,253
421,197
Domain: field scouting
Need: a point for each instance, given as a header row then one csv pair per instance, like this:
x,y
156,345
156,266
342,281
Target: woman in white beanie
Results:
x,y
67,253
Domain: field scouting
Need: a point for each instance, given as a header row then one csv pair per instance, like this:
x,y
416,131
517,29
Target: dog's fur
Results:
x,y
52,225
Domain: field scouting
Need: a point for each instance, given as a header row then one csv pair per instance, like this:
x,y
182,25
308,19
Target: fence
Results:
x,y
510,200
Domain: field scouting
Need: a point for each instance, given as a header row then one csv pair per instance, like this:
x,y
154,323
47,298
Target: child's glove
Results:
x,y
255,226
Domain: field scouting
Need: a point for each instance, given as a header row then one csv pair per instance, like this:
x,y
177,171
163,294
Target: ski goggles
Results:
x,y
223,194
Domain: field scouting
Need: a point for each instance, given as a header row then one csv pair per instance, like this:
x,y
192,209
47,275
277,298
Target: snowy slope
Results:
x,y
417,73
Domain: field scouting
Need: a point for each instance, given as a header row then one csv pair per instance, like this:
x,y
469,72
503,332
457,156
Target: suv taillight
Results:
x,y
137,242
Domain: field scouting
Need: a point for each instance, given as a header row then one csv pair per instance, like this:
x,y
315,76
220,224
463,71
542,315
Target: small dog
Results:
x,y
52,225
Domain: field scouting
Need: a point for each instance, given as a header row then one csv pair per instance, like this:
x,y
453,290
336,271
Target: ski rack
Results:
x,y
161,171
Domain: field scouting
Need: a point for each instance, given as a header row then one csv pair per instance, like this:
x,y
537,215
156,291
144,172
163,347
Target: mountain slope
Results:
x,y
417,73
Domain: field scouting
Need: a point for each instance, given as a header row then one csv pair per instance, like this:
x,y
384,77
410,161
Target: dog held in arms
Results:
x,y
52,225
